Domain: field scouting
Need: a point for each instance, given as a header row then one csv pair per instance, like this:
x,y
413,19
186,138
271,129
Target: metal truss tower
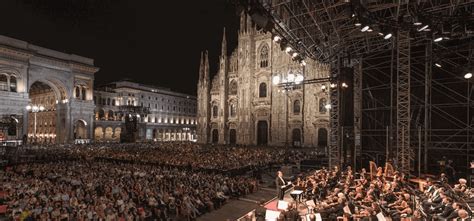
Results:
x,y
404,150
334,121
357,111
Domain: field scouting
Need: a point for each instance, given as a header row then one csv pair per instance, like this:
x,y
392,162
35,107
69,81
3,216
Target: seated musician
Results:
x,y
461,187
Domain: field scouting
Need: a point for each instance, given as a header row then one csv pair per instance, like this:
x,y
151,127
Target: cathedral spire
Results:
x,y
248,25
242,22
206,66
224,45
201,67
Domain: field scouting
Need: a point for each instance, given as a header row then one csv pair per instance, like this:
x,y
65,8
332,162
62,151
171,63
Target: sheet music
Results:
x,y
296,192
347,210
271,215
381,217
282,205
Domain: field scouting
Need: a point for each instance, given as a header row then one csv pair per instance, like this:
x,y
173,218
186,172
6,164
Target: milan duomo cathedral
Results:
x,y
242,106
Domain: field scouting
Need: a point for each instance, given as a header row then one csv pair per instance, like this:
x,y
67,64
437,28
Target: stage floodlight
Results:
x,y
468,75
423,28
276,38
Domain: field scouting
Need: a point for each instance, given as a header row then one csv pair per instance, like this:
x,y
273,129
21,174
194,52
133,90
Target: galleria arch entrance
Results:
x,y
43,112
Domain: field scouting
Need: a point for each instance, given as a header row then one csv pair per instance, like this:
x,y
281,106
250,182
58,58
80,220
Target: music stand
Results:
x,y
296,195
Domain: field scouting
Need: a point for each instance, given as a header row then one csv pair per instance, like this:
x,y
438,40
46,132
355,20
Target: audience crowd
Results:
x,y
169,181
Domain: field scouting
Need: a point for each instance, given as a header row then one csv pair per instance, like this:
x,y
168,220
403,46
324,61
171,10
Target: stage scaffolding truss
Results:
x,y
406,109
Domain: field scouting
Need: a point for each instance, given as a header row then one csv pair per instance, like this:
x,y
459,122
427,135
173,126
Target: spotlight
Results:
x,y
468,75
370,30
417,23
423,28
303,63
438,65
299,79
294,54
365,28
276,79
357,24
323,87
387,36
438,39
327,106
333,85
344,85
288,49
276,38
381,34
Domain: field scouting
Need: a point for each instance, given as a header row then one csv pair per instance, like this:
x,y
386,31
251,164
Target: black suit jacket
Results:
x,y
448,209
279,183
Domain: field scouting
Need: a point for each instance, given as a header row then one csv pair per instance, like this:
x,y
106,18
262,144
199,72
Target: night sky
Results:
x,y
157,43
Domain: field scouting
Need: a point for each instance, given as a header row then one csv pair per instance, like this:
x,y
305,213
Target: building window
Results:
x,y
322,105
78,92
233,88
264,56
3,82
296,107
113,102
233,109
83,90
262,90
12,83
214,111
108,101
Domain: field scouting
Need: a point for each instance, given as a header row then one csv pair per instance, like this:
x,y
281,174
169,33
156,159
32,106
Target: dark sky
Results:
x,y
158,42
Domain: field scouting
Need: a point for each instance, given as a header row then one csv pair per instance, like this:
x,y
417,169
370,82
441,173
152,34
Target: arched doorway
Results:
x,y
322,137
262,132
215,136
296,137
80,130
42,116
232,136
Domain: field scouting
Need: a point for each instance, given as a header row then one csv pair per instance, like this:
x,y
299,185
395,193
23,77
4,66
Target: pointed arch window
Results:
x,y
233,109
214,111
262,90
296,107
322,105
233,88
264,56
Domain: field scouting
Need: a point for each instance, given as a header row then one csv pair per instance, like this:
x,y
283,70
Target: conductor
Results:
x,y
280,185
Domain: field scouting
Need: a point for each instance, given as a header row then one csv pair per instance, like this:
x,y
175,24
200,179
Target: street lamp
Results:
x,y
288,82
35,109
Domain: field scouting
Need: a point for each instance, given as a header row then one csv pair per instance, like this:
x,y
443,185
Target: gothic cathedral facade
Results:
x,y
241,105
